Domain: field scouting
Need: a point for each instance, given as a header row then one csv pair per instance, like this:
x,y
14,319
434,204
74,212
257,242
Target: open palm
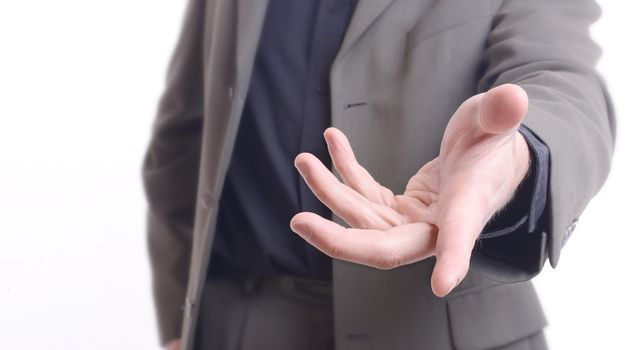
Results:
x,y
445,205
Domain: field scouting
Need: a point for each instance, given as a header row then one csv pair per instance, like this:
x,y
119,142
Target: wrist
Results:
x,y
522,157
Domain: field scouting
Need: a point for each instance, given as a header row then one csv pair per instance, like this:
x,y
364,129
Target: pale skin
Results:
x,y
483,159
173,345
445,205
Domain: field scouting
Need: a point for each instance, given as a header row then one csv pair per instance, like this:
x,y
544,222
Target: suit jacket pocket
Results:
x,y
494,316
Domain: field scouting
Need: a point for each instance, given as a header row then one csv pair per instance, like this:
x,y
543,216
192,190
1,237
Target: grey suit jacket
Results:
x,y
411,63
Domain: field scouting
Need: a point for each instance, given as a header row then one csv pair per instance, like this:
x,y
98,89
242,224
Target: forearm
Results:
x,y
170,173
171,193
545,48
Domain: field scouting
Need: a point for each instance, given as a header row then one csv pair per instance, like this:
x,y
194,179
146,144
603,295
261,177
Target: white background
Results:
x,y
79,82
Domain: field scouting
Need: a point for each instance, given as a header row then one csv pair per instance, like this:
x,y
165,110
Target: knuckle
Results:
x,y
358,222
333,250
387,262
320,193
309,234
361,220
387,257
309,176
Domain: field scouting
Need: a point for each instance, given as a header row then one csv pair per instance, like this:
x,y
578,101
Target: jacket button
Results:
x,y
322,88
188,308
207,199
569,231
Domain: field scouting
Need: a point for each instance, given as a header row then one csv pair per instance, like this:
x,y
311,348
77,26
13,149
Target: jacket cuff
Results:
x,y
511,248
170,326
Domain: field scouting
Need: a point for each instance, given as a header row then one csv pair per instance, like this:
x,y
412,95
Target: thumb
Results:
x,y
502,109
461,220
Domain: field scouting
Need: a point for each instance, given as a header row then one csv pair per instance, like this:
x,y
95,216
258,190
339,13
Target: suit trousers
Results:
x,y
280,313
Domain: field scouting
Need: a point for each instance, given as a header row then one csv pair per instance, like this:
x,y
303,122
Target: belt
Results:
x,y
303,289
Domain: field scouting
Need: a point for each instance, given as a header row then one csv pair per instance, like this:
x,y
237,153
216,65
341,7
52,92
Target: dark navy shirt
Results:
x,y
286,112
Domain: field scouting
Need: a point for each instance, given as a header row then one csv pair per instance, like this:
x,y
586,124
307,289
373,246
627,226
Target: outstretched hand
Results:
x,y
446,204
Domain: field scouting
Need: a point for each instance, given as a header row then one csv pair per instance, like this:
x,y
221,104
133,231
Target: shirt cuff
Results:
x,y
524,212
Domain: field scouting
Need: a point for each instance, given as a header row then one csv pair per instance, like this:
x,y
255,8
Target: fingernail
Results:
x,y
302,167
300,227
452,287
328,142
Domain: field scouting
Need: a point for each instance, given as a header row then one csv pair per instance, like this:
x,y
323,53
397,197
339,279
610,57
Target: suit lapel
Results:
x,y
251,15
365,14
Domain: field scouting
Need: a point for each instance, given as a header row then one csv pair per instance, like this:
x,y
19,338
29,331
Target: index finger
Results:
x,y
401,245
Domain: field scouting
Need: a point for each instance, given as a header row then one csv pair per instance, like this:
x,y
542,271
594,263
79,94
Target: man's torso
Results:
x,y
402,70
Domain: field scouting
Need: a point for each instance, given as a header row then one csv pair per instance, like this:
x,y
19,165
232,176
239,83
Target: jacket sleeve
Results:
x,y
544,46
170,173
